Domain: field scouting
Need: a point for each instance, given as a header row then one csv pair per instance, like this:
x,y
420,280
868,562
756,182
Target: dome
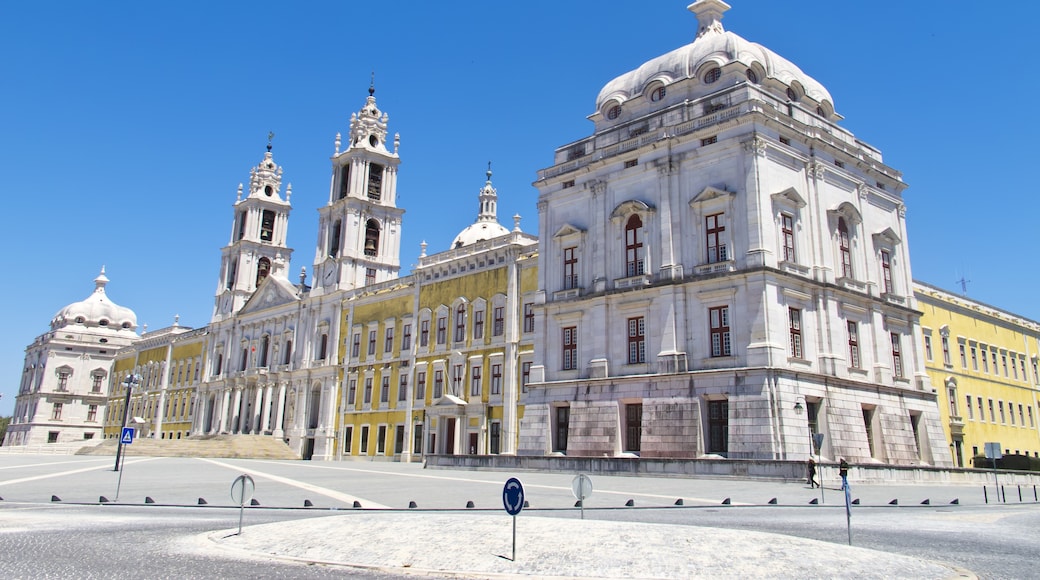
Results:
x,y
96,310
714,48
486,227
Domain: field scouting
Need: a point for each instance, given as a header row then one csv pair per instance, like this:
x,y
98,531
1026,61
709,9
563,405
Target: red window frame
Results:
x,y
718,321
787,229
714,231
794,321
636,340
844,248
570,348
634,263
570,268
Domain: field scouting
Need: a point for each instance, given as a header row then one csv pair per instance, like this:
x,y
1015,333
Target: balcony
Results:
x,y
715,267
567,294
632,281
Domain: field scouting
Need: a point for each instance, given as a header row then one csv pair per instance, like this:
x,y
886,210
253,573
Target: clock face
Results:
x,y
225,304
330,276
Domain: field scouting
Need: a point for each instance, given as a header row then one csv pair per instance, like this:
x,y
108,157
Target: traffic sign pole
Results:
x,y
125,438
513,500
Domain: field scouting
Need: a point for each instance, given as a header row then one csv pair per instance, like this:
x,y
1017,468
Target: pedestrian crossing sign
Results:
x,y
128,436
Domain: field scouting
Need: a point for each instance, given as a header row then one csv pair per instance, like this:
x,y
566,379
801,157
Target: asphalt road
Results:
x,y
80,537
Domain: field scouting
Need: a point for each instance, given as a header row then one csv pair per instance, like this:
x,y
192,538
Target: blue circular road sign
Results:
x,y
513,496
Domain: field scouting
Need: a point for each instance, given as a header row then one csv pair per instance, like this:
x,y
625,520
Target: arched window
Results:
x,y
371,237
844,248
344,181
634,262
232,267
263,268
267,226
375,182
265,346
334,235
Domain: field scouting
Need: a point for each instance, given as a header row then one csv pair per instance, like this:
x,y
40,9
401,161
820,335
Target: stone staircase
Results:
x,y
234,446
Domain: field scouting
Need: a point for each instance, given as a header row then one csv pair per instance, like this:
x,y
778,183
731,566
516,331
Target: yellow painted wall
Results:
x,y
974,324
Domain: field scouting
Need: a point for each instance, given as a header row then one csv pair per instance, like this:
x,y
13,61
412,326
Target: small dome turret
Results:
x,y
486,226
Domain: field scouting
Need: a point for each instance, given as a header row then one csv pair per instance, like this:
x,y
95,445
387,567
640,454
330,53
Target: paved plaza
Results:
x,y
357,514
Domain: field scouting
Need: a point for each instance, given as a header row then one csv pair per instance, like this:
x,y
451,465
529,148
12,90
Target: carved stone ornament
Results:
x,y
756,145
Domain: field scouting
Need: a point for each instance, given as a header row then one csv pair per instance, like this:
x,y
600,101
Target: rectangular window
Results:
x,y
348,439
1021,415
897,356
384,390
787,232
985,361
529,317
928,346
499,322
96,387
1011,412
633,427
56,411
719,322
992,413
853,344
457,377
63,381
364,440
570,268
399,439
868,425
371,342
718,427
406,337
474,382
402,388
496,379
563,418
460,323
1030,413
438,384
974,358
946,350
420,385
442,329
478,324
1022,365
525,375
994,355
381,440
92,413
424,333
964,356
570,348
915,426
794,323
368,390
982,414
951,396
709,140
636,340
370,276
715,228
634,264
1004,365
886,271
351,392
971,412
1000,407
496,438
1014,368
323,346
388,340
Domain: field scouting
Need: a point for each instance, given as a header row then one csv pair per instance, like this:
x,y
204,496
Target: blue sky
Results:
x,y
126,127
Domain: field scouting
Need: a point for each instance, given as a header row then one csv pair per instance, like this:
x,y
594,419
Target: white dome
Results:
x,y
486,227
713,47
96,310
479,232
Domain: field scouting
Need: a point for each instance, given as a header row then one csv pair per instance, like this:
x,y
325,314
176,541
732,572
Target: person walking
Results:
x,y
811,473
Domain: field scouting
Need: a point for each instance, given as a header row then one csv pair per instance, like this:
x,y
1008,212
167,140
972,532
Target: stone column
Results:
x,y
221,425
235,412
254,414
279,413
265,416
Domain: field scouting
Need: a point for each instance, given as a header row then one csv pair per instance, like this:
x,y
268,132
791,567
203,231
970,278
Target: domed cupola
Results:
x,y
486,227
265,180
715,60
97,310
368,126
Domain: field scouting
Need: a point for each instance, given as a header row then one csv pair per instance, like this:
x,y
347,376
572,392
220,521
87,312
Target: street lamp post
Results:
x,y
130,382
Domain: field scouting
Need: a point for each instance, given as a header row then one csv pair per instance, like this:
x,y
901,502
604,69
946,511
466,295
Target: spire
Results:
x,y
100,281
488,201
709,15
270,137
368,126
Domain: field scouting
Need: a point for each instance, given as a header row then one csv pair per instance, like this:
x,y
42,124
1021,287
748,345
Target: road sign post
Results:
x,y
581,486
993,453
513,500
125,438
242,491
817,441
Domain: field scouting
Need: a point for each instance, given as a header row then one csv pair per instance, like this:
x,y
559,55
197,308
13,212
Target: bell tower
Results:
x,y
359,240
257,247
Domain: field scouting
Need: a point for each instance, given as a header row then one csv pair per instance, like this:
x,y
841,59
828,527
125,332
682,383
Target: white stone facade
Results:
x,y
64,386
725,271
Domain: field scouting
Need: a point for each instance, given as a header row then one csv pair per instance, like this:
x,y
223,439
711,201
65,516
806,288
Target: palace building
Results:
x,y
724,272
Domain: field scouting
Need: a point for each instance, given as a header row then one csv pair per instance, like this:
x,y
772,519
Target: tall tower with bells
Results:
x,y
257,248
359,240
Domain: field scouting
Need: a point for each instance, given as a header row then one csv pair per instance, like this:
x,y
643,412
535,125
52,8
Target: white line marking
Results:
x,y
107,460
70,472
343,497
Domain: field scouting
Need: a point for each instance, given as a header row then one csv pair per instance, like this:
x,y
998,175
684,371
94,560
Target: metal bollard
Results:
x,y
985,494
1003,495
1019,494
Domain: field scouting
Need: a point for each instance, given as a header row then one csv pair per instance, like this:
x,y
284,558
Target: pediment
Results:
x,y
789,196
710,193
568,230
273,291
449,400
887,237
847,211
630,207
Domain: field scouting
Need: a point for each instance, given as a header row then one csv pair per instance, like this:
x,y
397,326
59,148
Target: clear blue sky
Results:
x,y
125,127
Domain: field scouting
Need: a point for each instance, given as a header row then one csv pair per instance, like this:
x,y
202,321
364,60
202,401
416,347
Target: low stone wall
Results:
x,y
736,468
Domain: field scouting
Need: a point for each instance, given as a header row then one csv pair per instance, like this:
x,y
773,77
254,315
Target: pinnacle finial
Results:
x,y
372,85
489,171
270,137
